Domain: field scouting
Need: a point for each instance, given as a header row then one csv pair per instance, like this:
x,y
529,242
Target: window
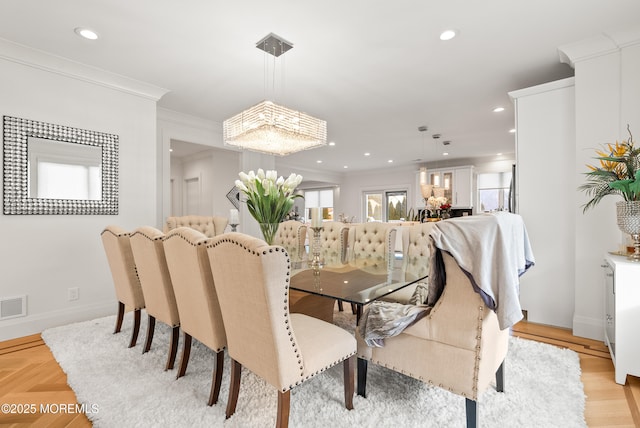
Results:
x,y
493,191
319,198
385,206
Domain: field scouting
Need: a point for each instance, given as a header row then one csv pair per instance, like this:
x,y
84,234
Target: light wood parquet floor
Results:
x,y
30,375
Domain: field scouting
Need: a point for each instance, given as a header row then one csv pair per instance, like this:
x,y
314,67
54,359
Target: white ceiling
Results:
x,y
374,70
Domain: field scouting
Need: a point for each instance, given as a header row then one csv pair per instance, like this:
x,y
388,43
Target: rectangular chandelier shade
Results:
x,y
274,129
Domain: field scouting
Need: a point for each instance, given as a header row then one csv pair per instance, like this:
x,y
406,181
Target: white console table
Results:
x,y
622,315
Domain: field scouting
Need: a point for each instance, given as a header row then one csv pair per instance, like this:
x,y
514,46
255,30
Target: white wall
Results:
x,y
217,171
43,255
350,200
546,198
607,99
571,243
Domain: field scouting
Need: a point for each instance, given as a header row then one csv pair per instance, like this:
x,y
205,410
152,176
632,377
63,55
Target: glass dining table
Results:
x,y
348,283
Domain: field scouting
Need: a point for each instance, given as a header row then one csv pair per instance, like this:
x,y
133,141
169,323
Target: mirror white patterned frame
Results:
x,y
15,169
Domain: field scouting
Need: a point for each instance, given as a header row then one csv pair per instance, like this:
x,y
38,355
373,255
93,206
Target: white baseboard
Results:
x,y
591,328
25,326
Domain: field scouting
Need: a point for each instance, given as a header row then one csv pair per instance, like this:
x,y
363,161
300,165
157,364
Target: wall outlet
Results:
x,y
73,293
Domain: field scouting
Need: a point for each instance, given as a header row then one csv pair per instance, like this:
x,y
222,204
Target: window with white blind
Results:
x,y
319,198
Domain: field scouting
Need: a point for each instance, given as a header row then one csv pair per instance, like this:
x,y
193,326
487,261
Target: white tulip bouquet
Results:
x,y
269,198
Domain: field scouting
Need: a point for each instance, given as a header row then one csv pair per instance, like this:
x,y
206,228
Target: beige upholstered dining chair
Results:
x,y
291,234
196,298
458,346
334,238
372,246
415,259
283,348
210,226
125,277
148,252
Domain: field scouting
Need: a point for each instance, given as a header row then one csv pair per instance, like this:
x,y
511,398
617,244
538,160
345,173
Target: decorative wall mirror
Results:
x,y
55,169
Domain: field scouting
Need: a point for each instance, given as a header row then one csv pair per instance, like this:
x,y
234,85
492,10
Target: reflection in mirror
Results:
x,y
60,170
56,169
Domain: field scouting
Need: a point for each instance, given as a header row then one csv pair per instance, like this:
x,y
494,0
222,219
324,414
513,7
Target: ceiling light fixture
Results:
x,y
512,130
367,154
447,35
423,169
271,128
86,33
498,109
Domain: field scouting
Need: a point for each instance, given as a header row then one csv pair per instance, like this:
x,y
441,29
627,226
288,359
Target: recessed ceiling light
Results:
x,y
448,35
86,33
390,161
499,154
331,143
512,130
498,109
445,153
367,154
345,167
318,161
170,150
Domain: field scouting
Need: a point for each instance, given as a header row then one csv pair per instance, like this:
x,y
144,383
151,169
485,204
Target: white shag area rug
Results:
x,y
123,388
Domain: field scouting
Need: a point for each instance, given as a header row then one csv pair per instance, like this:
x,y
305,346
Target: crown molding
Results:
x,y
544,87
25,55
184,119
603,44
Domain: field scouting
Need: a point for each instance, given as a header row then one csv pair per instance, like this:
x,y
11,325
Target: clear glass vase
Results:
x,y
629,222
269,231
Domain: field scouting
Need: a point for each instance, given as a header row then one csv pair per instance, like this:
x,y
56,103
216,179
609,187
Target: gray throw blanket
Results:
x,y
388,319
493,250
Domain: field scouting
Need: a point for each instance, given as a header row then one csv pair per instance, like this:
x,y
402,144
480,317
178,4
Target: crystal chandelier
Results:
x,y
271,128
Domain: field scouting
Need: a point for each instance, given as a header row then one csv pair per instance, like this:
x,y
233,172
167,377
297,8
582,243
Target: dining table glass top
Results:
x,y
350,283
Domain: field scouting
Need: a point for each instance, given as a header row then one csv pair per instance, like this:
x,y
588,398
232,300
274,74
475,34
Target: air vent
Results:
x,y
13,307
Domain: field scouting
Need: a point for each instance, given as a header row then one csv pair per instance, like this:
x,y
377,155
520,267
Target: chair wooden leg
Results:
x,y
119,318
136,328
216,381
362,377
184,358
500,378
151,328
349,370
173,347
284,403
234,388
340,308
472,413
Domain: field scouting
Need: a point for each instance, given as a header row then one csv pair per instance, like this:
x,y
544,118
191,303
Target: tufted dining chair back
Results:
x,y
415,249
283,348
148,252
372,245
210,226
196,298
334,238
117,247
291,234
